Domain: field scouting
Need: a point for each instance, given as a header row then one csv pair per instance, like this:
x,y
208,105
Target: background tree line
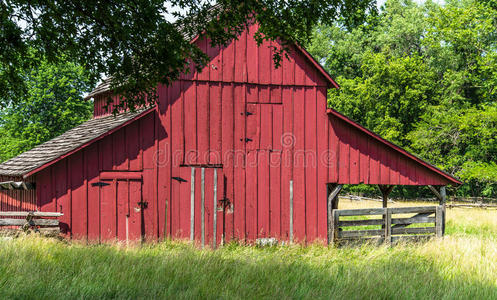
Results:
x,y
421,75
425,77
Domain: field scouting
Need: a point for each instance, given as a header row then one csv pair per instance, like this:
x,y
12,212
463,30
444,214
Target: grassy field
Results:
x,y
460,266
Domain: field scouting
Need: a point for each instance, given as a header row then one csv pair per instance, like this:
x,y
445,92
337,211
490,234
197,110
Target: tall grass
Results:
x,y
460,266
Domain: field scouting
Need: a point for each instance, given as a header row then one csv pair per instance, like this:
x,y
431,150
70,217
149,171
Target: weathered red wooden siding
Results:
x,y
17,200
258,128
361,158
67,186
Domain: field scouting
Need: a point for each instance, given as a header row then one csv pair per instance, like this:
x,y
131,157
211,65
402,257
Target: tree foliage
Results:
x,y
423,76
52,105
136,42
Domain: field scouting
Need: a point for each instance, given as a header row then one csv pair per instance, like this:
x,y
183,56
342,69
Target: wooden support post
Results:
x,y
291,211
334,232
439,221
388,226
385,191
442,197
333,191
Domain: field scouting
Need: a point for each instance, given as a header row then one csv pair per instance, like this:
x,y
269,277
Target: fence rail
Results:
x,y
392,228
31,220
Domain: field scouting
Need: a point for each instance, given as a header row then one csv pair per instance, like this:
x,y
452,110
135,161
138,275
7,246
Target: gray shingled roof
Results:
x,y
65,143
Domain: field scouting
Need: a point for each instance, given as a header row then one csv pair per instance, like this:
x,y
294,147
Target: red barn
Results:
x,y
241,150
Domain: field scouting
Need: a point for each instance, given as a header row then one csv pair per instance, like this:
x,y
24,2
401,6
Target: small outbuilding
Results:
x,y
242,150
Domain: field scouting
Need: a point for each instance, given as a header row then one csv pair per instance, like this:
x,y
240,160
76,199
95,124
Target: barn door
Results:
x,y
121,208
264,126
198,205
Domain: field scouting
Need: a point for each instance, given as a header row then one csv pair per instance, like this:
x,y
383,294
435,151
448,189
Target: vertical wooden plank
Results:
x,y
322,162
221,217
215,65
388,226
276,94
264,94
287,141
108,212
311,164
199,191
266,127
203,44
291,211
134,210
354,157
147,191
252,93
61,193
190,123
300,68
363,145
253,53
276,73
78,192
202,206
133,146
214,210
184,204
228,68
275,194
344,153
192,204
253,119
241,58
443,195
162,161
385,162
209,208
93,192
277,127
203,123
264,63
228,155
215,125
251,198
177,136
299,187
239,163
334,146
122,209
120,158
288,66
374,163
439,221
263,193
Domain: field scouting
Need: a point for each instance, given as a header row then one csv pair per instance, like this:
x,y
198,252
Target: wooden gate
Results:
x,y
346,225
121,206
198,206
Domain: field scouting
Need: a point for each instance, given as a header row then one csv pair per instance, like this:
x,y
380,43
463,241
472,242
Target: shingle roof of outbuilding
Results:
x,y
67,143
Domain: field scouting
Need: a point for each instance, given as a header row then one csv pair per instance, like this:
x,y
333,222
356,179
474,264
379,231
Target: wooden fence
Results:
x,y
33,220
393,226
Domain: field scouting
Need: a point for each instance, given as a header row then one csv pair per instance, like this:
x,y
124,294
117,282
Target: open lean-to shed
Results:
x,y
241,150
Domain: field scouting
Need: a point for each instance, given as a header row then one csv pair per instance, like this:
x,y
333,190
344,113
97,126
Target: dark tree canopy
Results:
x,y
134,41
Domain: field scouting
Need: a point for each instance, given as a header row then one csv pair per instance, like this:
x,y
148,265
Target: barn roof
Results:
x,y
31,161
396,148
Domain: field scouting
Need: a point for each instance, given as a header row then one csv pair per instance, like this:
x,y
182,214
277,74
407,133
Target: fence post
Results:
x,y
388,226
334,232
439,221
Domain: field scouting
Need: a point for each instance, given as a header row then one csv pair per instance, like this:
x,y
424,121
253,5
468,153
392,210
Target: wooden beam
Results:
x,y
333,190
434,190
385,191
32,213
443,198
